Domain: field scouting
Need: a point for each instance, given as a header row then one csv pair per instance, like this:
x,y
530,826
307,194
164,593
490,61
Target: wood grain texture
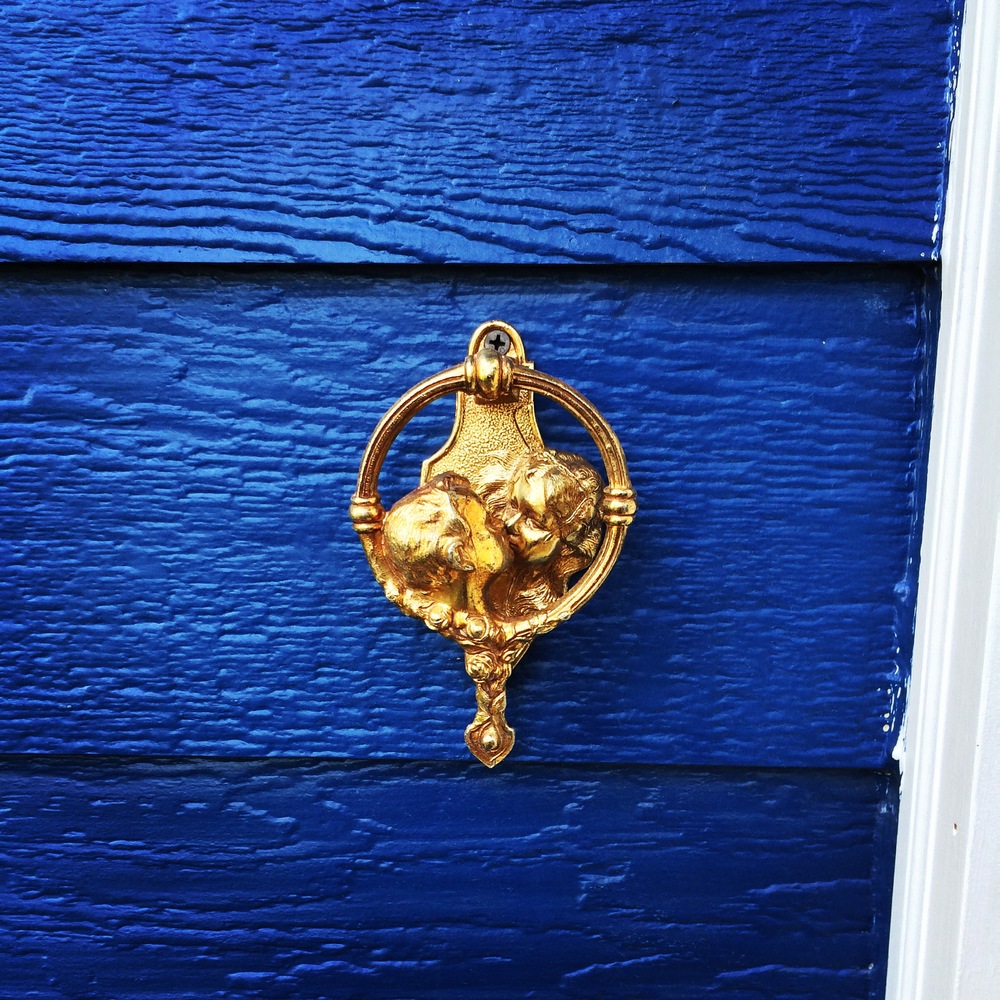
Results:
x,y
313,881
179,575
522,131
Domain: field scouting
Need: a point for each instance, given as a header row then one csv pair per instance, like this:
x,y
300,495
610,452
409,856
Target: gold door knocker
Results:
x,y
483,551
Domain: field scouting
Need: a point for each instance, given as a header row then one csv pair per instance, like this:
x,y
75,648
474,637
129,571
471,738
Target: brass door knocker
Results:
x,y
484,550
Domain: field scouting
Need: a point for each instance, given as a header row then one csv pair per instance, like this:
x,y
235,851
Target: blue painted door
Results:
x,y
234,237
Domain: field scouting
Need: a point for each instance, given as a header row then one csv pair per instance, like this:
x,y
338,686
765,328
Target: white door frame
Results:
x,y
945,929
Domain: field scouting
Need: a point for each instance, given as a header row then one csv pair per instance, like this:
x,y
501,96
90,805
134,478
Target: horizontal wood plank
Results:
x,y
636,130
387,881
179,575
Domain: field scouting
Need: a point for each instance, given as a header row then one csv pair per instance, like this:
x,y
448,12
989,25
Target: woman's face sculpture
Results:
x,y
529,518
549,503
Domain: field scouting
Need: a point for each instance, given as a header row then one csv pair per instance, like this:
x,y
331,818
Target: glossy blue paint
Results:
x,y
521,131
179,451
177,575
265,879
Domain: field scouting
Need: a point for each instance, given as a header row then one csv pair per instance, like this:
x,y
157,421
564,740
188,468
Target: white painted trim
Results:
x,y
945,932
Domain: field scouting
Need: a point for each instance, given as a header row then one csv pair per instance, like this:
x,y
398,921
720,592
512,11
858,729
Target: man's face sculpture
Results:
x,y
440,533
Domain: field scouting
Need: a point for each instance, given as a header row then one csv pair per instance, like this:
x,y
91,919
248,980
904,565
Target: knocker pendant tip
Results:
x,y
489,741
484,549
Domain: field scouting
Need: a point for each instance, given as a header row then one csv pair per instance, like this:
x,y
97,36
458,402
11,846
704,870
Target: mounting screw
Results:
x,y
499,341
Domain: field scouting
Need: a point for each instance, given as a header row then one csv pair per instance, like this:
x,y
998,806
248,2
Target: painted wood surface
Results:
x,y
639,130
179,451
194,880
946,921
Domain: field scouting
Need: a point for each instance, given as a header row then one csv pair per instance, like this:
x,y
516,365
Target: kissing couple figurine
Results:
x,y
504,544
